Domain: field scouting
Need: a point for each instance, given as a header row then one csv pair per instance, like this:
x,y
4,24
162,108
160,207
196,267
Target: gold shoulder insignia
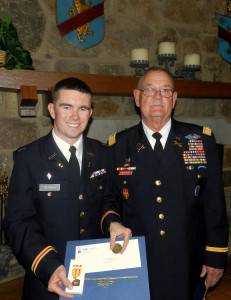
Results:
x,y
112,139
207,130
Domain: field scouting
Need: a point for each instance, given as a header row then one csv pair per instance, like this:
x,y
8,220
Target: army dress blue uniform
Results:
x,y
47,207
178,206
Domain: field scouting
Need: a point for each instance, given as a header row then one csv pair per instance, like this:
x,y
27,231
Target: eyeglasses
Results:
x,y
150,92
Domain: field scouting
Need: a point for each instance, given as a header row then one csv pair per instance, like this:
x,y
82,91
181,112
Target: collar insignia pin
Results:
x,y
49,176
178,144
140,148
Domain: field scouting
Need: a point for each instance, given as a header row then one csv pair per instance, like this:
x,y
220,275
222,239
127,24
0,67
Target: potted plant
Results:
x,y
12,54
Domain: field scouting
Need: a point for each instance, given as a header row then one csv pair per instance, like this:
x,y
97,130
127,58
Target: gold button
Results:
x,y
159,199
198,176
49,194
162,232
81,214
157,182
161,216
81,231
81,197
124,182
100,187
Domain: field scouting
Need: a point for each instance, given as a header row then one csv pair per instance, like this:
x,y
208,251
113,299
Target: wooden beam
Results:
x,y
28,101
107,84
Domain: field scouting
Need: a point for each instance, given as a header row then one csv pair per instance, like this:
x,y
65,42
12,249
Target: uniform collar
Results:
x,y
164,132
64,147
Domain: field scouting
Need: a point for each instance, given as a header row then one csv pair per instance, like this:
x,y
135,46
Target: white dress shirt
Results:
x,y
64,148
164,132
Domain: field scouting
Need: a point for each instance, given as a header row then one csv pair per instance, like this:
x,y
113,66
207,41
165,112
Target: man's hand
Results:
x,y
213,275
118,230
58,277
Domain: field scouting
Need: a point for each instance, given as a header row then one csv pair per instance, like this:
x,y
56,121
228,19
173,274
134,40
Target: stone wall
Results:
x,y
129,24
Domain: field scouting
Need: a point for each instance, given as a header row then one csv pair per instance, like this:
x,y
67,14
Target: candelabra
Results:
x,y
139,60
167,57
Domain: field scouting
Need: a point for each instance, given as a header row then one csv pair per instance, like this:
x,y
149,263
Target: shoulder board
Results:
x,y
207,130
112,139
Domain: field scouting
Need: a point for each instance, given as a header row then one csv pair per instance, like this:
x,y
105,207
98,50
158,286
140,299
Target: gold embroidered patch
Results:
x,y
207,130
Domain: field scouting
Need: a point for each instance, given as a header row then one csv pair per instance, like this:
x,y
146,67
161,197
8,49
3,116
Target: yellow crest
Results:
x,y
112,139
207,130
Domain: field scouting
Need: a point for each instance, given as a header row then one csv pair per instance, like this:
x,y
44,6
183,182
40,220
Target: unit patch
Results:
x,y
125,193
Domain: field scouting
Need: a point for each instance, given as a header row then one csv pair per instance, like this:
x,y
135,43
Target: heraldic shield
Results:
x,y
81,22
224,35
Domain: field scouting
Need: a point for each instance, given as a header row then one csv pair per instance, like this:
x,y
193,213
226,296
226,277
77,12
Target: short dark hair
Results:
x,y
71,83
156,69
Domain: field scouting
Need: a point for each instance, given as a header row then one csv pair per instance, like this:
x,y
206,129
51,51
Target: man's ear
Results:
x,y
174,97
51,110
136,94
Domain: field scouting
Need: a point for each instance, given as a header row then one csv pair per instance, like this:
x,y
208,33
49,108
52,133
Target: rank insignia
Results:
x,y
125,193
112,139
97,173
207,130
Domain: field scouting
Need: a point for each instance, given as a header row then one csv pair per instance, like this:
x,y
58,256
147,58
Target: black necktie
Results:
x,y
158,149
73,162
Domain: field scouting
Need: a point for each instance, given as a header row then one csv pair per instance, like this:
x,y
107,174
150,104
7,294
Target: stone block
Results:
x,y
110,69
29,20
15,133
224,108
69,66
227,157
105,107
12,106
227,178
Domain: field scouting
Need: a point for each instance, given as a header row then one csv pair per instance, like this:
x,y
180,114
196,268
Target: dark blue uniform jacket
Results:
x,y
178,206
47,207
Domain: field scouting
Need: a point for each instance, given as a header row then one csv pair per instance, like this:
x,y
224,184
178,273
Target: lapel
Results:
x,y
54,158
174,147
140,149
90,157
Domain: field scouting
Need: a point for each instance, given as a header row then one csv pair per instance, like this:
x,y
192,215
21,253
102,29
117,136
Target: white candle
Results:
x,y
139,54
167,48
192,59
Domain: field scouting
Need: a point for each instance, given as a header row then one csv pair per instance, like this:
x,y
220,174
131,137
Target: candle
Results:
x,y
192,59
139,54
167,48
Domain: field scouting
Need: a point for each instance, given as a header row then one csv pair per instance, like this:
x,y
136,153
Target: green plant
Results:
x,y
16,56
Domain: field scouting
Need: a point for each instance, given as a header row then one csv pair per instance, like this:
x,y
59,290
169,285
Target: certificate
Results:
x,y
96,272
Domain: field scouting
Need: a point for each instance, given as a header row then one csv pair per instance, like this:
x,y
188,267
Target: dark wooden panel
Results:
x,y
106,84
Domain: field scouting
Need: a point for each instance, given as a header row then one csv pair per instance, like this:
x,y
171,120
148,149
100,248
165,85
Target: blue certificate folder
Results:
x,y
123,284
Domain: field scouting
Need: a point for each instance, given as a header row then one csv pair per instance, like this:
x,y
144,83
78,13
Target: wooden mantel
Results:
x,y
107,84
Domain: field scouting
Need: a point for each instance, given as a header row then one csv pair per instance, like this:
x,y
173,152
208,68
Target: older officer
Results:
x,y
170,190
50,201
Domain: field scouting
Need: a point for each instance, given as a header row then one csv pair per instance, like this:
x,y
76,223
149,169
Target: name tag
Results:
x,y
49,187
